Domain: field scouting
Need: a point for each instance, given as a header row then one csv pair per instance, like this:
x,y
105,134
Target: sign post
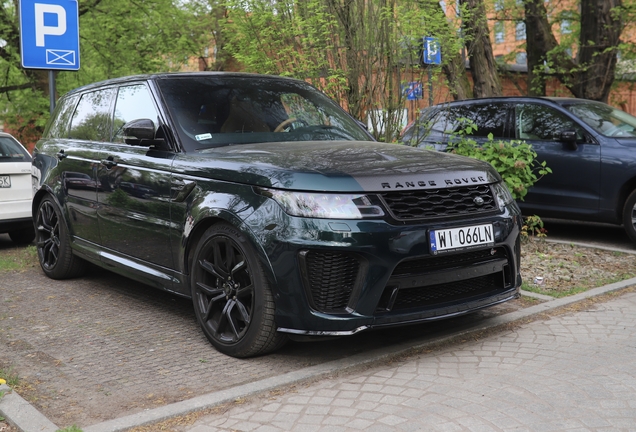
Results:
x,y
49,37
432,56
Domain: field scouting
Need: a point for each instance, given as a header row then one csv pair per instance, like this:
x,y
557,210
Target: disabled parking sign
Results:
x,y
49,34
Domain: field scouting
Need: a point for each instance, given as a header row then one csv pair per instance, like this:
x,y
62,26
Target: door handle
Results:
x,y
61,155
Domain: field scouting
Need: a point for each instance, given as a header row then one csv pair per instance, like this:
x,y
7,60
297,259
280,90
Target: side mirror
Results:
x,y
569,137
142,132
139,129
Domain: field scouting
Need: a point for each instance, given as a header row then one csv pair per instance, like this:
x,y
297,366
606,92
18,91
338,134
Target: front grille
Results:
x,y
438,281
331,277
448,292
422,204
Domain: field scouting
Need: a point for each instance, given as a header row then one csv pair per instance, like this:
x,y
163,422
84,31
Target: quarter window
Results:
x,y
59,124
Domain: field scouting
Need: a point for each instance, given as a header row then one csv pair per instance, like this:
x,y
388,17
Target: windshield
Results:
x,y
12,151
605,119
216,111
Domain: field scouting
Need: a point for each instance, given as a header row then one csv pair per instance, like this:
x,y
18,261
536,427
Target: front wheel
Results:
x,y
232,299
629,216
53,243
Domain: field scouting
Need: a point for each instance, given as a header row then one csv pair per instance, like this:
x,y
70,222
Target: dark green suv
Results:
x,y
269,206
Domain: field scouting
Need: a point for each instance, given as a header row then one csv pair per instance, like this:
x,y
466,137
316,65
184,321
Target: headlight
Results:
x,y
324,205
504,197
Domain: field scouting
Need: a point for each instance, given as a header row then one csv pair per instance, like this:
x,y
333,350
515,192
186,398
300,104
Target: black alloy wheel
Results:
x,y
54,243
231,297
629,216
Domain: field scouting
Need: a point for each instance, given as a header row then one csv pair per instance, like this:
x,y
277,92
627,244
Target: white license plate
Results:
x,y
5,181
461,238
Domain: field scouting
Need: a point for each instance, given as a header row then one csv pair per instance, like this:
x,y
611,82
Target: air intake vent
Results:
x,y
331,278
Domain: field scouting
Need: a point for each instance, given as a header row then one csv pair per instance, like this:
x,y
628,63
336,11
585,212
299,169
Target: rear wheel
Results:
x,y
54,243
232,299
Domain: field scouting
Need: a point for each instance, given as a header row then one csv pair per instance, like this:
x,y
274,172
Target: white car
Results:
x,y
16,191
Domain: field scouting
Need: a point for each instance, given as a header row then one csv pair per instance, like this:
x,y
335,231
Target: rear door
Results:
x,y
573,187
78,160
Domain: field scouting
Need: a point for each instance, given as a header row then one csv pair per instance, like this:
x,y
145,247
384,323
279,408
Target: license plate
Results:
x,y
5,181
461,238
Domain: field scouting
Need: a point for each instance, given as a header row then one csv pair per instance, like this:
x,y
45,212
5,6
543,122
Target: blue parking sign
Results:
x,y
49,34
432,51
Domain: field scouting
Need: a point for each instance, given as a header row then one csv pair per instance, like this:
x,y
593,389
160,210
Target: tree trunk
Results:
x,y
482,60
592,75
601,27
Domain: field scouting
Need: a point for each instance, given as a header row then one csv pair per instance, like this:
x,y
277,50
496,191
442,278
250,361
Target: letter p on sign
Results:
x,y
41,29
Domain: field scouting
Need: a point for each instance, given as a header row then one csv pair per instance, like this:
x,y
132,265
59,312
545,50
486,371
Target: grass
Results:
x,y
565,292
18,259
9,376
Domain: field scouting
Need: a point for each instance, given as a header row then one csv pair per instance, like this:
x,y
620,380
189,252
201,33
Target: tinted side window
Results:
x,y
538,122
59,124
133,103
91,120
490,118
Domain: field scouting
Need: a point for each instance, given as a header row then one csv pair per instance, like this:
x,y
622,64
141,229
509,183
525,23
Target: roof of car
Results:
x,y
558,101
554,99
163,75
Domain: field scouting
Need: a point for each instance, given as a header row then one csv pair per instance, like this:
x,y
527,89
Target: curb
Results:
x,y
27,419
21,414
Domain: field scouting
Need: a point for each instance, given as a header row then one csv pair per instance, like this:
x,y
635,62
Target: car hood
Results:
x,y
345,166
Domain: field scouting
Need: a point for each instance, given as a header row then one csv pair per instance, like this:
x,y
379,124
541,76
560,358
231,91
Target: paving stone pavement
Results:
x,y
572,372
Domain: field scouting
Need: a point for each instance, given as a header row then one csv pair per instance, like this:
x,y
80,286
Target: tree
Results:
x,y
117,37
591,72
358,51
482,60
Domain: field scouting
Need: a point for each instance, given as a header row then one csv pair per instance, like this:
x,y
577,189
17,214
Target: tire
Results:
x,y
232,300
629,216
22,236
53,243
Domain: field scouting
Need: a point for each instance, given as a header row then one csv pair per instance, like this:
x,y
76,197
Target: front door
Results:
x,y
573,187
134,202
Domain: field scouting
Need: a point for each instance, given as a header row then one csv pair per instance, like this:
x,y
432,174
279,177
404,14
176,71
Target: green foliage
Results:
x,y
533,227
17,259
357,51
514,160
70,429
9,376
117,37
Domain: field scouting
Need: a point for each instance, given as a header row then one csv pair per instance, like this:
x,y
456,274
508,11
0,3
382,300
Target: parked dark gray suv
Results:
x,y
590,147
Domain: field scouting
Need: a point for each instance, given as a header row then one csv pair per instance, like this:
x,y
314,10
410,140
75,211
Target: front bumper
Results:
x,y
337,277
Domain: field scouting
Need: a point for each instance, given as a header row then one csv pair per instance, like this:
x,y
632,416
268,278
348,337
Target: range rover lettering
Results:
x,y
270,207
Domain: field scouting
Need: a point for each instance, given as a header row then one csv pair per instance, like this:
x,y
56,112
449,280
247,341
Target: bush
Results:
x,y
514,160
